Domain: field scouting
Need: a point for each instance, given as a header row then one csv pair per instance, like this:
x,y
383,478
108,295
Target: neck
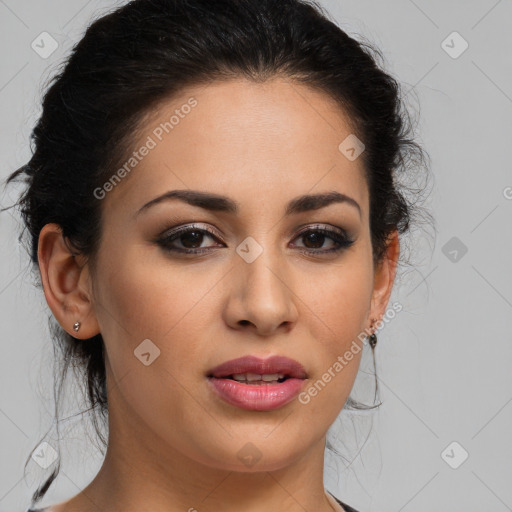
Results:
x,y
142,472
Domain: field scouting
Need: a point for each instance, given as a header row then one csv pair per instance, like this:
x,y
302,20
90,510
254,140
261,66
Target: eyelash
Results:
x,y
343,241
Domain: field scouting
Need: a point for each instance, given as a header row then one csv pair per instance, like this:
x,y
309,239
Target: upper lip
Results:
x,y
252,364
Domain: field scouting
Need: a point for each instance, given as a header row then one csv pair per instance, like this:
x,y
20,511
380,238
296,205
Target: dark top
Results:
x,y
346,507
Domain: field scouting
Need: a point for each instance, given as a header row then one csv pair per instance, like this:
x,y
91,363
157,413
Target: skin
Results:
x,y
173,443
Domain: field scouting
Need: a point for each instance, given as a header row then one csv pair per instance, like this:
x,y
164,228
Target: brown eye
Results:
x,y
314,239
189,240
189,237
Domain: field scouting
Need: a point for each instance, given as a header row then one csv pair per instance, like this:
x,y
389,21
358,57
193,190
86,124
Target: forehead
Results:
x,y
247,138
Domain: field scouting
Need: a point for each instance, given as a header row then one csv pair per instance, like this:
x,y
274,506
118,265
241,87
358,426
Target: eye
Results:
x,y
190,237
314,238
189,240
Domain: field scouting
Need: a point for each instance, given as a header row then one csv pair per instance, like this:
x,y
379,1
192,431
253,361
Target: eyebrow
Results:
x,y
218,203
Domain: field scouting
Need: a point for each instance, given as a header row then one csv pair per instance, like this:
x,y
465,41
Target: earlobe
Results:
x,y
63,278
385,277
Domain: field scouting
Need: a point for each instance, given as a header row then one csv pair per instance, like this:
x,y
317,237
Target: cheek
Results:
x,y
337,303
338,354
153,337
337,299
143,298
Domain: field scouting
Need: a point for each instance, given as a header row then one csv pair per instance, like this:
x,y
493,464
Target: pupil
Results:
x,y
194,235
315,238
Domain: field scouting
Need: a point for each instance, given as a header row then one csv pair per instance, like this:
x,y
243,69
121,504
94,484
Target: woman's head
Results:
x,y
261,103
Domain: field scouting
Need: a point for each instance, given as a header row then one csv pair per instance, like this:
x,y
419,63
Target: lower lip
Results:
x,y
257,397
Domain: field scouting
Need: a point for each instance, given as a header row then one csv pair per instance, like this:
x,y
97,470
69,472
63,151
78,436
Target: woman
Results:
x,y
213,207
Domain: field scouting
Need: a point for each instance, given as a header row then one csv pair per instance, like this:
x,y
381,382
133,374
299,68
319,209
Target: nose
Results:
x,y
261,297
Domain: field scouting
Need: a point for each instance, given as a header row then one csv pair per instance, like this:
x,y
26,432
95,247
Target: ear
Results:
x,y
384,278
66,282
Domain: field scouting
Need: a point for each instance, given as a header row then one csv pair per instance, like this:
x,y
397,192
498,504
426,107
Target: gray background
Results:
x,y
443,362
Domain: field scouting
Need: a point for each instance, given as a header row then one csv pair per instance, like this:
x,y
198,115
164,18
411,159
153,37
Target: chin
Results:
x,y
252,455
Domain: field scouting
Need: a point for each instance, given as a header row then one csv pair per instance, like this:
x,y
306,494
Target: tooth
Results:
x,y
244,377
255,377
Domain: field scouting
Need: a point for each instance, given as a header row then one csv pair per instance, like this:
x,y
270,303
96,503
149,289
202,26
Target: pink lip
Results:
x,y
258,397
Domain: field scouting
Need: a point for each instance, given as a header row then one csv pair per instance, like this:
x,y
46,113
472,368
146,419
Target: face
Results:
x,y
273,278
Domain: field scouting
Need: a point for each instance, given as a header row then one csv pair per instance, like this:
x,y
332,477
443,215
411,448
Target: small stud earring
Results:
x,y
76,326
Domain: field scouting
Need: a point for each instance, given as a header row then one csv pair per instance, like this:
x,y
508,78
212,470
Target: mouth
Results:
x,y
254,379
258,384
253,370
